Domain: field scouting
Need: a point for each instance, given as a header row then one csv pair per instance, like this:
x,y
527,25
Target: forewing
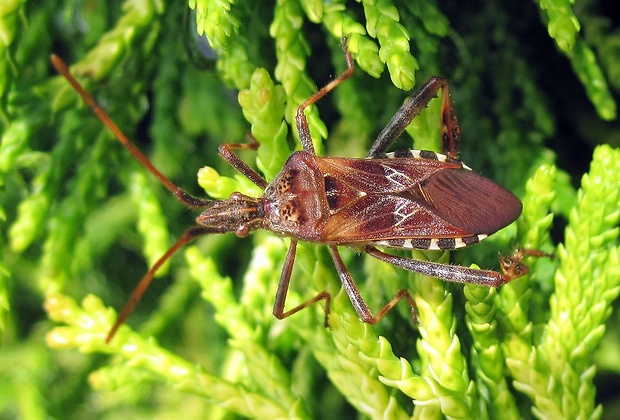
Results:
x,y
381,199
385,216
382,175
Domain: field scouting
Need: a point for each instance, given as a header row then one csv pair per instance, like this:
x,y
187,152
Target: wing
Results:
x,y
374,200
380,217
389,175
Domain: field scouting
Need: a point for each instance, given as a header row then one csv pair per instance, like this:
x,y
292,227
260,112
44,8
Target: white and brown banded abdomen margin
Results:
x,y
421,154
432,244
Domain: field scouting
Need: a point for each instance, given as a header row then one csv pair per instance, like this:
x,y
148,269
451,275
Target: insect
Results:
x,y
409,200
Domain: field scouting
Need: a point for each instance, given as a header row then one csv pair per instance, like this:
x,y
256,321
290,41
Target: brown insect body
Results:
x,y
408,199
403,202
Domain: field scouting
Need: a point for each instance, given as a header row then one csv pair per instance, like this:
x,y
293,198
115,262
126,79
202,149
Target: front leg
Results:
x,y
283,285
450,130
226,152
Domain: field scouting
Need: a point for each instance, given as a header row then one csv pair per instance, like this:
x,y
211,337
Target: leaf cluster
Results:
x,y
534,85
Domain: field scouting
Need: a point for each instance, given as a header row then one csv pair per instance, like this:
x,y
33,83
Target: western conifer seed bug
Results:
x,y
411,199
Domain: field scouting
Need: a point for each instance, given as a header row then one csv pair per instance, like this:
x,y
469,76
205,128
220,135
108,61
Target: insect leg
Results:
x,y
450,131
184,197
300,118
189,235
285,280
226,152
512,267
356,299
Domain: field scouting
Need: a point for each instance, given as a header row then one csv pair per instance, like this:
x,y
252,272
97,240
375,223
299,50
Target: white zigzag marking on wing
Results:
x,y
400,215
393,175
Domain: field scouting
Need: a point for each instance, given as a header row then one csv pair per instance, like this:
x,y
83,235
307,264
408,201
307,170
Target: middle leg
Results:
x,y
300,119
358,302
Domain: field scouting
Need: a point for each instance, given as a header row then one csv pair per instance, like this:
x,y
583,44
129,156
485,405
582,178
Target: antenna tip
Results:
x,y
57,62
